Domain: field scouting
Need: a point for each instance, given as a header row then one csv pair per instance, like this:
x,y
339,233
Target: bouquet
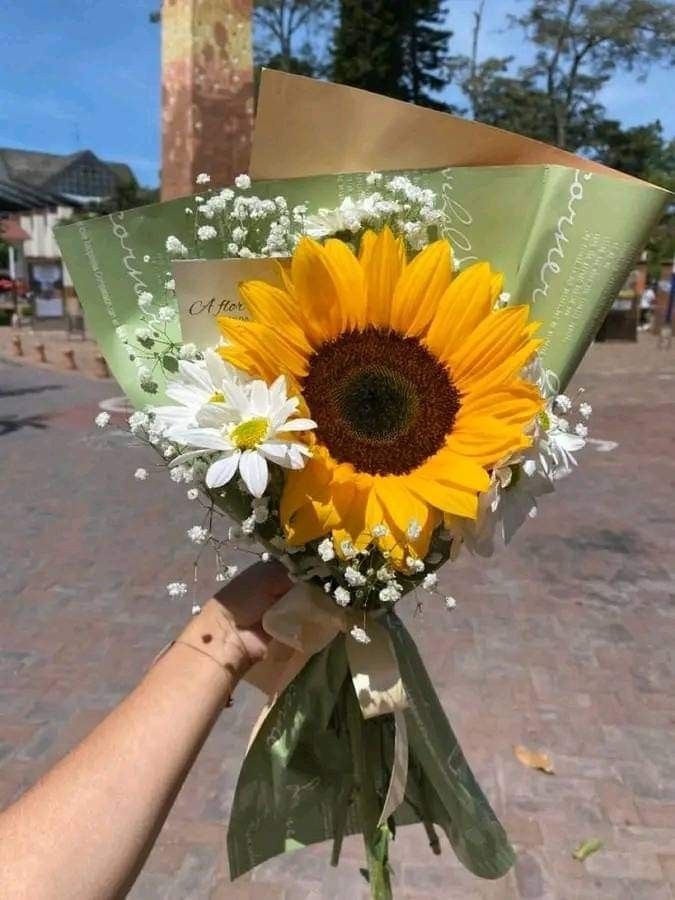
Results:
x,y
361,374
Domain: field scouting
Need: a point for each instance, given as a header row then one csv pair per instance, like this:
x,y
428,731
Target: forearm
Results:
x,y
83,832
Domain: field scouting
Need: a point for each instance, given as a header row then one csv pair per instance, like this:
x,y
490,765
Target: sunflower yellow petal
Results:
x,y
497,337
463,305
505,372
329,288
271,306
382,257
446,498
348,277
450,468
486,439
268,347
420,289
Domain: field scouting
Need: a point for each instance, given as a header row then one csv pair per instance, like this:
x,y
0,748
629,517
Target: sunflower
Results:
x,y
411,375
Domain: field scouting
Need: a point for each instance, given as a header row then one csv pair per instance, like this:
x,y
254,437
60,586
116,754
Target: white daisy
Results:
x,y
348,216
197,389
249,430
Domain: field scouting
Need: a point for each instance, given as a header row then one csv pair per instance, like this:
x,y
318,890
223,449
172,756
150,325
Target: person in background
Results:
x,y
647,301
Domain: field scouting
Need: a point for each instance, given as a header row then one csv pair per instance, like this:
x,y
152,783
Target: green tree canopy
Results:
x,y
397,49
580,44
284,30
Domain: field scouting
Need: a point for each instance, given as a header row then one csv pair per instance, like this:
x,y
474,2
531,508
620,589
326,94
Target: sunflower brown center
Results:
x,y
381,401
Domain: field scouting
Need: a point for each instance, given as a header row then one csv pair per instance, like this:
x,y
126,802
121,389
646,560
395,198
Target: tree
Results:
x,y
581,43
396,49
642,151
639,151
281,24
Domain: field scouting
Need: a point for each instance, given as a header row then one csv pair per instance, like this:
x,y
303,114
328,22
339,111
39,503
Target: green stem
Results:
x,y
376,839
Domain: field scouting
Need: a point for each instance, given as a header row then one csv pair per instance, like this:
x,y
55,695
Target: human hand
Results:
x,y
248,597
229,626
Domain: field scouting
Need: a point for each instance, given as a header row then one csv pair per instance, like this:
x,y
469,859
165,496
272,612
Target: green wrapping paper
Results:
x,y
565,240
298,783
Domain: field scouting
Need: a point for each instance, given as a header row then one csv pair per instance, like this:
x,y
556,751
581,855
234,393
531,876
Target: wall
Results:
x,y
42,245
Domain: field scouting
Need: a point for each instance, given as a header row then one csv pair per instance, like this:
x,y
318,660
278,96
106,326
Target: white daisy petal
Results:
x,y
215,366
278,391
260,399
237,398
222,470
299,425
254,471
214,415
185,395
194,374
207,438
298,456
276,451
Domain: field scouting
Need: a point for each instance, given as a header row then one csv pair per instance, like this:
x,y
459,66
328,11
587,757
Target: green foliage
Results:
x,y
576,48
580,45
641,151
395,49
280,25
127,196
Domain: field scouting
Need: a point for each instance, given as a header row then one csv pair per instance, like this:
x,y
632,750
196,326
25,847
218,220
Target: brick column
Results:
x,y
207,92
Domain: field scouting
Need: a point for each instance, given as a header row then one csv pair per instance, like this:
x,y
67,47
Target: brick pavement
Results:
x,y
565,642
56,345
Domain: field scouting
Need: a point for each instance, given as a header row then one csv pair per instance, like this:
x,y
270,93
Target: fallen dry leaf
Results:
x,y
586,848
534,759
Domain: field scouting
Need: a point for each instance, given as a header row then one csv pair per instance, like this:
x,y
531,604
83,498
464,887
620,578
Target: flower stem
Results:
x,y
376,839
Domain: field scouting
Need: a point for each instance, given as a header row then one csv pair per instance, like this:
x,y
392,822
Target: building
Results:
x,y
37,192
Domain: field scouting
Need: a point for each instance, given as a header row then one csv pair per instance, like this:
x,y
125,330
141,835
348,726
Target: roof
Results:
x,y
12,232
29,177
15,197
31,167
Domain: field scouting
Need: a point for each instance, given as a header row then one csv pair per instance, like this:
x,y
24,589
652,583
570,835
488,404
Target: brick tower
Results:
x,y
207,92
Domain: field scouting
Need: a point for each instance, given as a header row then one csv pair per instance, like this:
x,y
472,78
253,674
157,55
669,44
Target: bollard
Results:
x,y
41,353
70,359
101,369
17,346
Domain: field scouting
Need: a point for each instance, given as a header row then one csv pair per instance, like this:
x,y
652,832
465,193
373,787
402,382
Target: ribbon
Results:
x,y
301,624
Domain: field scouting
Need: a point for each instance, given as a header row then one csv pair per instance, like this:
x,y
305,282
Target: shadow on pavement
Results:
x,y
9,424
19,392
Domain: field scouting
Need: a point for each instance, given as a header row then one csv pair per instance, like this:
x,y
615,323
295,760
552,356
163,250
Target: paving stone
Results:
x,y
563,642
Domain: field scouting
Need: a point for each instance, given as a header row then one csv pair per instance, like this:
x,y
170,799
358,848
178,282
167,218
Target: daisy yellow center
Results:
x,y
217,397
382,401
247,435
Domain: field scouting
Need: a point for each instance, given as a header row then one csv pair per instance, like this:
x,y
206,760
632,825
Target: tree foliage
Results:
x,y
284,31
397,49
643,152
579,45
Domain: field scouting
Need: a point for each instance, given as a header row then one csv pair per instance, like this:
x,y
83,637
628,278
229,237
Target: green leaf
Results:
x,y
170,363
587,848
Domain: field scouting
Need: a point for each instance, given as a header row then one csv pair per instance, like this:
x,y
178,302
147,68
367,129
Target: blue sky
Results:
x,y
85,74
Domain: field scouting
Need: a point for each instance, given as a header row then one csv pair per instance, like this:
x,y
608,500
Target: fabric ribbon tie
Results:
x,y
301,624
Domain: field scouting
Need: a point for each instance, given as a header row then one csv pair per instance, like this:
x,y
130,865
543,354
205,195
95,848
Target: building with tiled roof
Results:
x,y
80,178
38,191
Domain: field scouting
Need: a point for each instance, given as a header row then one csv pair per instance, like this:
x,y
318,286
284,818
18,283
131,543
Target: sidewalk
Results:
x,y
563,642
56,344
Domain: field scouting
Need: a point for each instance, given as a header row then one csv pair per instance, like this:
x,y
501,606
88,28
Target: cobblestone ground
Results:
x,y
565,643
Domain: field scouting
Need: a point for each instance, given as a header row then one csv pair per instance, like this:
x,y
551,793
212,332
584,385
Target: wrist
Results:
x,y
213,632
